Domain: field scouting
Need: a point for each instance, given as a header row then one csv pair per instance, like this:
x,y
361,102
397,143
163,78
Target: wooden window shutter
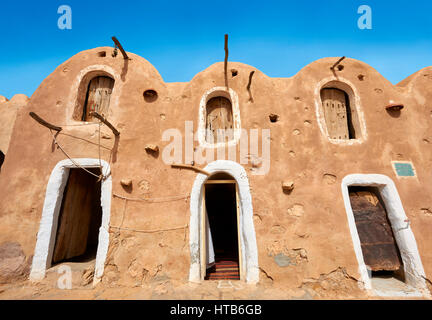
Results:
x,y
98,96
335,113
219,116
379,247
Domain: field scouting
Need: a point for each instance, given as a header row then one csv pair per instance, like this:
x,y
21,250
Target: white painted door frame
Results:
x,y
249,251
413,267
51,209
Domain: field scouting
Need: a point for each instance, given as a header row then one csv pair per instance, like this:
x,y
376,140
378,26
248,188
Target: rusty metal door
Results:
x,y
380,251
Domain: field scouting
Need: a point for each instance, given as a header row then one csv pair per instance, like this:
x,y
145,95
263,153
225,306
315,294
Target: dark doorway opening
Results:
x,y
379,247
221,206
79,219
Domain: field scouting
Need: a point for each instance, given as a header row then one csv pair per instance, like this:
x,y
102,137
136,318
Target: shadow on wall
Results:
x,y
2,158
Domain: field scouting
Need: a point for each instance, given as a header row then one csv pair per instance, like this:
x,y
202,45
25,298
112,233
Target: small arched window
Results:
x,y
219,120
338,114
98,97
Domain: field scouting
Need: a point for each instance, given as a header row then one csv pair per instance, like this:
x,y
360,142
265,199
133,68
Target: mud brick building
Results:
x,y
337,200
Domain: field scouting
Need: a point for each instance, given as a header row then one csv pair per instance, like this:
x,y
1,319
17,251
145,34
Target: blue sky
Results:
x,y
181,38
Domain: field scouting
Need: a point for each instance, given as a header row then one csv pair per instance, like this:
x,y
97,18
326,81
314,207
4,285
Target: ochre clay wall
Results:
x,y
309,225
8,111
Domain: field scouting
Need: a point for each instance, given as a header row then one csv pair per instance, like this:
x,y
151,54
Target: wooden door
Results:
x,y
98,96
380,251
81,202
219,116
335,112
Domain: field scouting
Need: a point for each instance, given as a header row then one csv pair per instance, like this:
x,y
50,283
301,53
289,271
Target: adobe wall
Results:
x,y
309,225
8,110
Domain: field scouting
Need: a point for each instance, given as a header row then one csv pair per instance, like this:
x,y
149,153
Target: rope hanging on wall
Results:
x,y
52,128
150,231
163,199
100,177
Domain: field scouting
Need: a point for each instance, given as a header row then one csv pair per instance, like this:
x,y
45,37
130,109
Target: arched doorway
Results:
x,y
371,202
234,189
52,246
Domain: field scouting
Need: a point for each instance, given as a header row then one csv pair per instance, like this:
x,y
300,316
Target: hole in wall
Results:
x,y
361,77
102,54
378,90
340,67
273,117
394,110
150,95
234,72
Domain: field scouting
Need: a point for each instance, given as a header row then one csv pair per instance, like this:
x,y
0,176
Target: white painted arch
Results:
x,y
248,244
413,267
48,225
232,96
355,103
79,89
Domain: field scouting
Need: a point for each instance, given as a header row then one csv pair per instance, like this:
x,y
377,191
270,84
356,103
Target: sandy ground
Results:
x,y
170,290
334,286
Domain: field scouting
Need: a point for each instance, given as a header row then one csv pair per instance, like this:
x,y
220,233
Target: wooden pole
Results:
x,y
339,61
44,123
109,125
226,61
184,166
249,85
117,43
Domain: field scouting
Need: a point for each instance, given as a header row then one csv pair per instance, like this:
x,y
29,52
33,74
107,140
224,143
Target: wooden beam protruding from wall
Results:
x,y
337,62
45,123
184,166
226,61
117,43
105,121
249,86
